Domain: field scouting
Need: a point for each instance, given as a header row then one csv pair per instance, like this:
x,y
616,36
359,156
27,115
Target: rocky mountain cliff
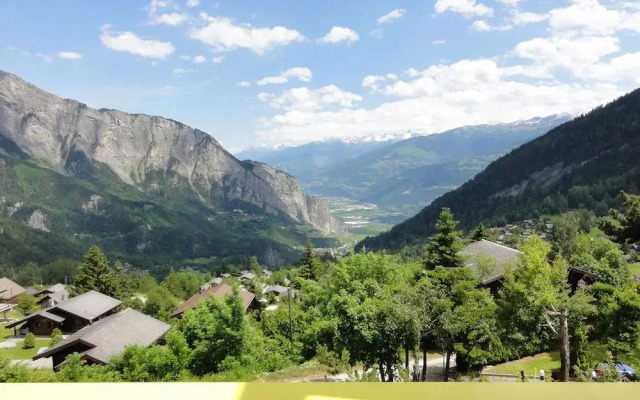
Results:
x,y
146,152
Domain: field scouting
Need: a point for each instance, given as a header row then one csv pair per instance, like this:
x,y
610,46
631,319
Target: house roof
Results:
x,y
248,275
218,291
58,287
42,313
274,288
89,305
109,336
58,297
9,289
501,255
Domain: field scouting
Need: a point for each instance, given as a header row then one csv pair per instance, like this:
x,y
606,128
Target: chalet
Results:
x,y
70,315
9,290
247,276
225,275
500,256
214,291
98,342
278,290
58,287
52,295
266,273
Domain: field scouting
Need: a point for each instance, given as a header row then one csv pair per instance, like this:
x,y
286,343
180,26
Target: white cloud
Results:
x,y
438,98
69,55
511,3
438,42
391,16
45,57
301,73
483,26
193,3
182,71
525,17
223,34
172,18
468,8
376,33
372,80
218,59
305,99
199,59
591,17
244,84
129,42
339,34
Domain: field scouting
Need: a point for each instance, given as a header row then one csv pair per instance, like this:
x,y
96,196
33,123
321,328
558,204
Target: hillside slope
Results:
x,y
582,163
126,166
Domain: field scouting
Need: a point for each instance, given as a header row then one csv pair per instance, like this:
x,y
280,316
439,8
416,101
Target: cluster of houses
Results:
x,y
93,324
523,230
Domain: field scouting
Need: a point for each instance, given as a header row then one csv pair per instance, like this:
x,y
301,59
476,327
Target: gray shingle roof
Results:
x,y
9,289
57,297
89,305
44,313
499,254
58,287
109,336
274,288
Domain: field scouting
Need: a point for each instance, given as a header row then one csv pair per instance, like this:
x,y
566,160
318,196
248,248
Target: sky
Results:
x,y
270,72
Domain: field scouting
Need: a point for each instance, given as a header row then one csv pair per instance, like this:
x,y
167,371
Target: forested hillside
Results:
x,y
584,163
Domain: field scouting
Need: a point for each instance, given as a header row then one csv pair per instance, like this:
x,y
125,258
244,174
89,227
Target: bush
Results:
x,y
56,337
29,341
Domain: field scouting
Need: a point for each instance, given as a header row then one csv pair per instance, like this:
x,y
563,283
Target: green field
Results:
x,y
634,269
18,353
596,353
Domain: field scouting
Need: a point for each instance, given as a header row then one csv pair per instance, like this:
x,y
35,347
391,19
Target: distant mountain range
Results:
x,y
144,188
584,163
402,172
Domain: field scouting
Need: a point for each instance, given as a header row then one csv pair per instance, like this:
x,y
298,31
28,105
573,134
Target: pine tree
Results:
x,y
444,246
479,233
309,264
96,274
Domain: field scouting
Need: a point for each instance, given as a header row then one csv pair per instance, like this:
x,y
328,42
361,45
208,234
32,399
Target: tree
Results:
x,y
183,284
56,337
479,233
624,226
160,304
444,245
565,231
96,274
309,264
29,341
25,304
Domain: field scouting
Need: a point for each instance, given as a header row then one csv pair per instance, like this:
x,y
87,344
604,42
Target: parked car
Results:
x,y
624,370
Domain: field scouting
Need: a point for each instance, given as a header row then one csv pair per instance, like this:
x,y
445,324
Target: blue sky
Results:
x,y
271,72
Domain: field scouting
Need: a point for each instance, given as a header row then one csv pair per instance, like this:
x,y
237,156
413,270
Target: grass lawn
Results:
x,y
309,369
18,353
596,353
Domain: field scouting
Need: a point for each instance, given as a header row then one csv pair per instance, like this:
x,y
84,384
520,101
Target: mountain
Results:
x,y
307,161
584,163
408,174
139,185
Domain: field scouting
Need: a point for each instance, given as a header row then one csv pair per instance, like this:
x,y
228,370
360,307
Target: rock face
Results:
x,y
71,138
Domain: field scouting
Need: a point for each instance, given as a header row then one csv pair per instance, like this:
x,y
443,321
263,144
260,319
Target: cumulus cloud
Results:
x,y
199,59
69,55
223,34
591,17
170,18
301,73
526,18
130,42
391,16
193,3
218,59
339,34
484,26
468,8
438,42
305,99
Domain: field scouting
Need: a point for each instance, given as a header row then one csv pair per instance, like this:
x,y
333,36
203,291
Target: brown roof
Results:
x,y
216,290
9,289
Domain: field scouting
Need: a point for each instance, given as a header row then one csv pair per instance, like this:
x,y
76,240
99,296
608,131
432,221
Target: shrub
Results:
x,y
56,337
29,341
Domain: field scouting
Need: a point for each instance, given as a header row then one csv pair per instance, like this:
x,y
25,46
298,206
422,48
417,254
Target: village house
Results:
x,y
278,290
500,256
52,295
247,276
214,291
9,290
69,316
98,342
